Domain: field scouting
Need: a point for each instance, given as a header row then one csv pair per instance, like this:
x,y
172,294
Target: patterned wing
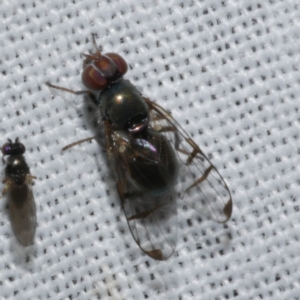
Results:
x,y
152,219
204,189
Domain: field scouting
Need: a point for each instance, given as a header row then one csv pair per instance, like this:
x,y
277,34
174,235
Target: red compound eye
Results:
x,y
103,70
93,79
119,62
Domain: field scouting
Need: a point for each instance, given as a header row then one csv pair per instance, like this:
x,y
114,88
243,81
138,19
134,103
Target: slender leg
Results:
x,y
85,92
78,142
7,182
68,90
29,179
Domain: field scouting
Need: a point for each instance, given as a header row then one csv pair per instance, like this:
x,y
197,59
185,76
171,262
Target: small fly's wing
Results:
x,y
22,211
152,219
204,189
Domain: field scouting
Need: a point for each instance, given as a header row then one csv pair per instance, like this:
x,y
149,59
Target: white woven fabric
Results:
x,y
229,73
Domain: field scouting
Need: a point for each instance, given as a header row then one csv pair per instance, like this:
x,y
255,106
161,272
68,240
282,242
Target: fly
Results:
x,y
154,159
18,188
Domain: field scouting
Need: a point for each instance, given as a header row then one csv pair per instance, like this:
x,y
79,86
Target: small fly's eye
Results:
x,y
103,70
11,148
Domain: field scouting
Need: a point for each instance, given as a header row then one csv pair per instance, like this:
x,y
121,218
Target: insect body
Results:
x,y
18,182
154,159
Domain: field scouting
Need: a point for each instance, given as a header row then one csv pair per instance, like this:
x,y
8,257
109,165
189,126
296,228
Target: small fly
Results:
x,y
18,188
155,161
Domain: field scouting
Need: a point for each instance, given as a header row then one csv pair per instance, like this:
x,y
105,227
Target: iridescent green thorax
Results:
x,y
123,105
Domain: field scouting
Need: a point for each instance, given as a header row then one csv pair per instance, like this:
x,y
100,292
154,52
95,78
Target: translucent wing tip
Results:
x,y
227,210
26,238
156,254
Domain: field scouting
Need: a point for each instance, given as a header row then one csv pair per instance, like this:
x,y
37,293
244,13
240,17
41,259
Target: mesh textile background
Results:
x,y
229,73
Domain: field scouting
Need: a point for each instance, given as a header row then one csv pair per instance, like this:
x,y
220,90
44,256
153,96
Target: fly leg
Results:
x,y
5,181
83,92
29,179
191,155
78,142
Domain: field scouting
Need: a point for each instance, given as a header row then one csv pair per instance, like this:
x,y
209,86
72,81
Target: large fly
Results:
x,y
154,159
